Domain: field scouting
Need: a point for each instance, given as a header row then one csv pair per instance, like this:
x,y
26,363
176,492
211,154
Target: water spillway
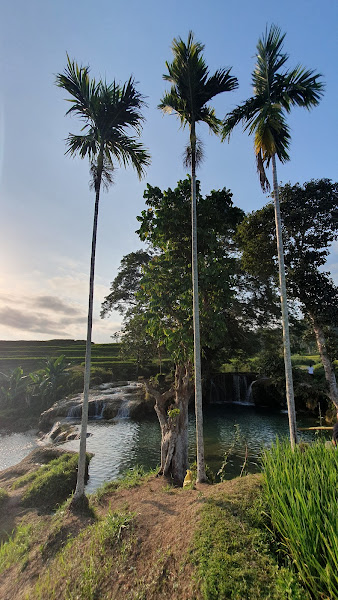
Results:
x,y
230,388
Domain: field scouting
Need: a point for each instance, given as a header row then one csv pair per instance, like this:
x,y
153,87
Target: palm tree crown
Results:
x,y
275,92
192,88
107,112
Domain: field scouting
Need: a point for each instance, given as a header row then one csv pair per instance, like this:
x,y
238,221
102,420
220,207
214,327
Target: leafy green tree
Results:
x,y
191,90
49,384
161,298
309,228
109,112
13,389
276,91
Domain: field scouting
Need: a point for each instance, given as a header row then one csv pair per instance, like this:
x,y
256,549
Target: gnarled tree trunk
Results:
x,y
172,411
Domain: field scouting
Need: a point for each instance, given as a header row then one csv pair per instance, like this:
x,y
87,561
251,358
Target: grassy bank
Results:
x,y
144,540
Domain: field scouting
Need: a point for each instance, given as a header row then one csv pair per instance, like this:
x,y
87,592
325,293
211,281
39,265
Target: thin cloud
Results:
x,y
53,303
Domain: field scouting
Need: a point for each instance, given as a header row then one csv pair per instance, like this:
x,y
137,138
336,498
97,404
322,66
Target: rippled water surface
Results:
x,y
15,446
124,443
240,429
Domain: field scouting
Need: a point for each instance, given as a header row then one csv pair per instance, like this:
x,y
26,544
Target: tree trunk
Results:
x,y
327,364
201,476
79,498
285,317
172,411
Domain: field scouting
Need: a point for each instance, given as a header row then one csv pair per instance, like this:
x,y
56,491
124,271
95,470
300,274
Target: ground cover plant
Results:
x,y
231,551
81,567
301,494
51,484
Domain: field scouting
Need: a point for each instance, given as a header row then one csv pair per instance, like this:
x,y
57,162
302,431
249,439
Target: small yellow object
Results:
x,y
188,479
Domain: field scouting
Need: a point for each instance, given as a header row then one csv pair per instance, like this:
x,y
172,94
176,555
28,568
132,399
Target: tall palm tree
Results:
x,y
191,90
276,91
108,112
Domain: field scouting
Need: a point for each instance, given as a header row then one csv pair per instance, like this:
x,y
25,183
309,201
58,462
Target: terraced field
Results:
x,y
32,355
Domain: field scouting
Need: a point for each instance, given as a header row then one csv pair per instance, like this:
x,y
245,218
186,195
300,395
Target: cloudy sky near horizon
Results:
x,y
46,204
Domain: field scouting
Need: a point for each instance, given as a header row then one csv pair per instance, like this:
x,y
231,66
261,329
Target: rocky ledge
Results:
x,y
106,401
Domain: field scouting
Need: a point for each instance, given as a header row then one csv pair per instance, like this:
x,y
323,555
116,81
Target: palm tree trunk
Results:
x,y
285,317
328,368
79,498
201,476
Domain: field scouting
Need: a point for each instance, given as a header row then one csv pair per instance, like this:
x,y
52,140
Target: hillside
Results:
x,y
144,540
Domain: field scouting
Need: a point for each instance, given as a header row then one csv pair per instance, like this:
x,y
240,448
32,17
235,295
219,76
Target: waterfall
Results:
x,y
99,409
231,387
75,412
95,410
123,411
248,396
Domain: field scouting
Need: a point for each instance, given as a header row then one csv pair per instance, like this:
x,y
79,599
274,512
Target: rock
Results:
x,y
105,402
266,395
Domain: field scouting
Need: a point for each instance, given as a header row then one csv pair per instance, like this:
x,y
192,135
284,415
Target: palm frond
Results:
x,y
83,145
108,112
303,88
102,175
244,113
75,80
191,86
127,151
265,185
199,153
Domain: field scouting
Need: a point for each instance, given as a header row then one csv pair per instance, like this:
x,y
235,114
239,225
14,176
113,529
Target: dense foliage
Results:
x,y
301,493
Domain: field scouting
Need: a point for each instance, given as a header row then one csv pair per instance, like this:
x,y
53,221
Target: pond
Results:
x,y
239,430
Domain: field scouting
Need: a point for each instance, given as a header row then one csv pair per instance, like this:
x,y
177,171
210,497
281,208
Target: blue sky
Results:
x,y
46,204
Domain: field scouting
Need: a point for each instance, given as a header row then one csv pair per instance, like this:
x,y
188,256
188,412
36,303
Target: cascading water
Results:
x,y
123,412
231,387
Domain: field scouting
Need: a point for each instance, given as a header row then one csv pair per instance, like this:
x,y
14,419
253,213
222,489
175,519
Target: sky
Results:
x,y
46,203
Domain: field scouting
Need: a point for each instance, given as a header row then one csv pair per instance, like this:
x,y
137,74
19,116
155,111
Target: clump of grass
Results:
x,y
83,565
51,484
301,493
3,496
231,551
131,478
16,548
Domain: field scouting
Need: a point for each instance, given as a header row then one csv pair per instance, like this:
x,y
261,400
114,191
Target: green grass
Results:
x,y
301,492
85,563
16,548
51,484
231,551
131,478
3,496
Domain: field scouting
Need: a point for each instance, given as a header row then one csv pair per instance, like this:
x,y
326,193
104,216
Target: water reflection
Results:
x,y
124,443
